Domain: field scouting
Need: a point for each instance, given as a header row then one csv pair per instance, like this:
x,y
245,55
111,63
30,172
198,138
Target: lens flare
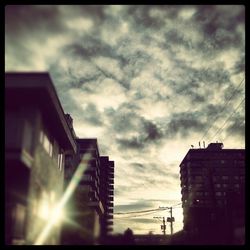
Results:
x,y
55,215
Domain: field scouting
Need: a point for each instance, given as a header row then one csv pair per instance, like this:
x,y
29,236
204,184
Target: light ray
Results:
x,y
70,189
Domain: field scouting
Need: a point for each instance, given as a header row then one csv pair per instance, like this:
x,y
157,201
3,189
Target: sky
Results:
x,y
148,81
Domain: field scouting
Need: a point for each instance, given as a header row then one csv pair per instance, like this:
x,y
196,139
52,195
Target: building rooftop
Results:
x,y
37,89
211,148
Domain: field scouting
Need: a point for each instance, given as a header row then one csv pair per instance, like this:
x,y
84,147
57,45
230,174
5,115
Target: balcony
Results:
x,y
110,193
110,210
110,187
97,205
109,223
110,198
110,204
111,171
109,216
111,175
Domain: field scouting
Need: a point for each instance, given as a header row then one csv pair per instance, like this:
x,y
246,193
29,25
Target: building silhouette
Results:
x,y
43,157
106,196
91,204
213,194
36,139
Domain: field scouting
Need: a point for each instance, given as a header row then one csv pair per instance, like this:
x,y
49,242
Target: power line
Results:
x,y
140,211
176,204
216,117
227,120
134,216
230,134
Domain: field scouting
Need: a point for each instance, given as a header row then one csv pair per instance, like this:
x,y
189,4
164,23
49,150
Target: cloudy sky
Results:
x,y
147,81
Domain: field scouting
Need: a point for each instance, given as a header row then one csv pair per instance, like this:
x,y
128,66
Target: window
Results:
x,y
218,193
28,137
47,145
237,186
218,185
236,177
60,161
198,178
216,178
224,177
199,185
225,185
199,193
206,193
219,202
41,137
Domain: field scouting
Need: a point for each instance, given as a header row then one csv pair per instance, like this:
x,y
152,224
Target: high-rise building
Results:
x,y
91,204
107,196
37,137
213,193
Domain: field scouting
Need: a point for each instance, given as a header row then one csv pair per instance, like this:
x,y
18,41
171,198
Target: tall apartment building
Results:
x,y
37,137
213,193
90,206
107,196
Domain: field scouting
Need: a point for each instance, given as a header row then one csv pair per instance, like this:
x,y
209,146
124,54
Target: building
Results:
x,y
106,196
90,207
37,137
213,194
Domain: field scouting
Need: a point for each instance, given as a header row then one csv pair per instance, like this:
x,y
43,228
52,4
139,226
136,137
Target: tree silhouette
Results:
x,y
128,237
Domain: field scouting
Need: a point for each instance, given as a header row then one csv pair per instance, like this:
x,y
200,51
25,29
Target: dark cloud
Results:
x,y
93,48
32,18
132,143
90,47
220,24
184,124
234,93
134,206
175,38
91,115
148,133
239,66
212,110
236,125
142,220
79,80
138,166
142,19
237,128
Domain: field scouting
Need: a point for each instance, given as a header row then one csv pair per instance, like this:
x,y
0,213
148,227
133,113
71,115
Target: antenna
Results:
x,y
204,144
199,144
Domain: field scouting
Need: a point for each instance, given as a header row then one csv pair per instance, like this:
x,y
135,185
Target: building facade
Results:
x,y
107,196
37,137
91,205
213,193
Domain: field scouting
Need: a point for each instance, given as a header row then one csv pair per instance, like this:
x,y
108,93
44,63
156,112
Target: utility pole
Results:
x,y
169,219
163,226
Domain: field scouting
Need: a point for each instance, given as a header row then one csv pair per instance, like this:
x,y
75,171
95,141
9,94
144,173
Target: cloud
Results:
x,y
134,206
31,18
146,80
147,133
